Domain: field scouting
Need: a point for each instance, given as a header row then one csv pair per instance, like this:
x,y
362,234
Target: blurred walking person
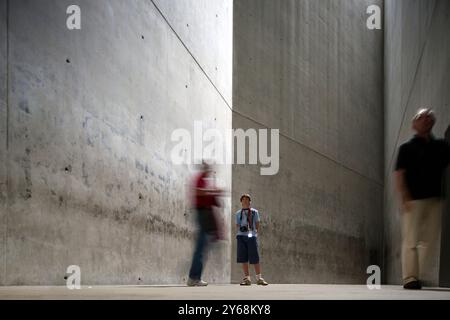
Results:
x,y
205,198
419,172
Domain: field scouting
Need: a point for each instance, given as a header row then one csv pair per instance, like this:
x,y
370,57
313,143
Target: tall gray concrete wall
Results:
x,y
86,118
313,70
417,73
3,126
91,113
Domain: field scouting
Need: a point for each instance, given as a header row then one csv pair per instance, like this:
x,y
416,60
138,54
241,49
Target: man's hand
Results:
x,y
406,206
406,201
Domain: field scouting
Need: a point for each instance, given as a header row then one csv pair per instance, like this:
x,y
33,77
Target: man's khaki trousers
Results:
x,y
421,234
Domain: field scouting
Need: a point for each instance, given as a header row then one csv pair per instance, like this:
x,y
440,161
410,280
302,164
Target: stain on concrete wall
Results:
x,y
417,71
91,116
313,70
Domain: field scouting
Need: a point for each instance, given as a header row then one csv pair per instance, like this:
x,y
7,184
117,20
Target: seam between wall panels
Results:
x,y
247,117
380,184
191,54
405,109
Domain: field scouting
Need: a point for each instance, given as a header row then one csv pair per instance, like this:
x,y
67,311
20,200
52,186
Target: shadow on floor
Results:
x,y
159,286
437,289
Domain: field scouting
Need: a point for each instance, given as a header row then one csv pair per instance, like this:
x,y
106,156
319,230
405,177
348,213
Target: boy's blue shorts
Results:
x,y
247,250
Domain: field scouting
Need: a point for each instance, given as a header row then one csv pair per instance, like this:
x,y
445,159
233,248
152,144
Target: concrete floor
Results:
x,y
224,292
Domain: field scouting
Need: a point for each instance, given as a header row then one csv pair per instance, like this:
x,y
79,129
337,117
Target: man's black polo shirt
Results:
x,y
424,163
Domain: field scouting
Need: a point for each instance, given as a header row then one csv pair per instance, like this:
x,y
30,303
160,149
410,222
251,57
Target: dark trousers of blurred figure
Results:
x,y
206,225
421,230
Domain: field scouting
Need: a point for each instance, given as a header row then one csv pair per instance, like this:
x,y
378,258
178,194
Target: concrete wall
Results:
x,y
86,118
91,113
417,69
3,138
205,27
313,70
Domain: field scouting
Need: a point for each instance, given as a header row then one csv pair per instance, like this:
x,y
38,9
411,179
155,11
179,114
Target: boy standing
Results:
x,y
247,227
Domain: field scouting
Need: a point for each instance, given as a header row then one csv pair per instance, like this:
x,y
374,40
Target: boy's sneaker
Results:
x,y
246,282
261,282
196,283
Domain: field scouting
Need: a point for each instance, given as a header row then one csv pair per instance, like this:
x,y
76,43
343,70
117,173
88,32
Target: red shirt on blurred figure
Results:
x,y
203,200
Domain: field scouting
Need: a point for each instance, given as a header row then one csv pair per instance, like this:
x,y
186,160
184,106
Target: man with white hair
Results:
x,y
420,168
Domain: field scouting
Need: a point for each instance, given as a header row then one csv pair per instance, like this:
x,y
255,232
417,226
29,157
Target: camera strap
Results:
x,y
249,218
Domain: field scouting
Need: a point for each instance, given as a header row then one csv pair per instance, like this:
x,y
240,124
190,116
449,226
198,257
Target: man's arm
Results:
x,y
238,223
448,155
257,224
208,192
402,188
402,162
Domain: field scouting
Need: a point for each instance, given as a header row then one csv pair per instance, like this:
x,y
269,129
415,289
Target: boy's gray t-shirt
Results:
x,y
244,221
